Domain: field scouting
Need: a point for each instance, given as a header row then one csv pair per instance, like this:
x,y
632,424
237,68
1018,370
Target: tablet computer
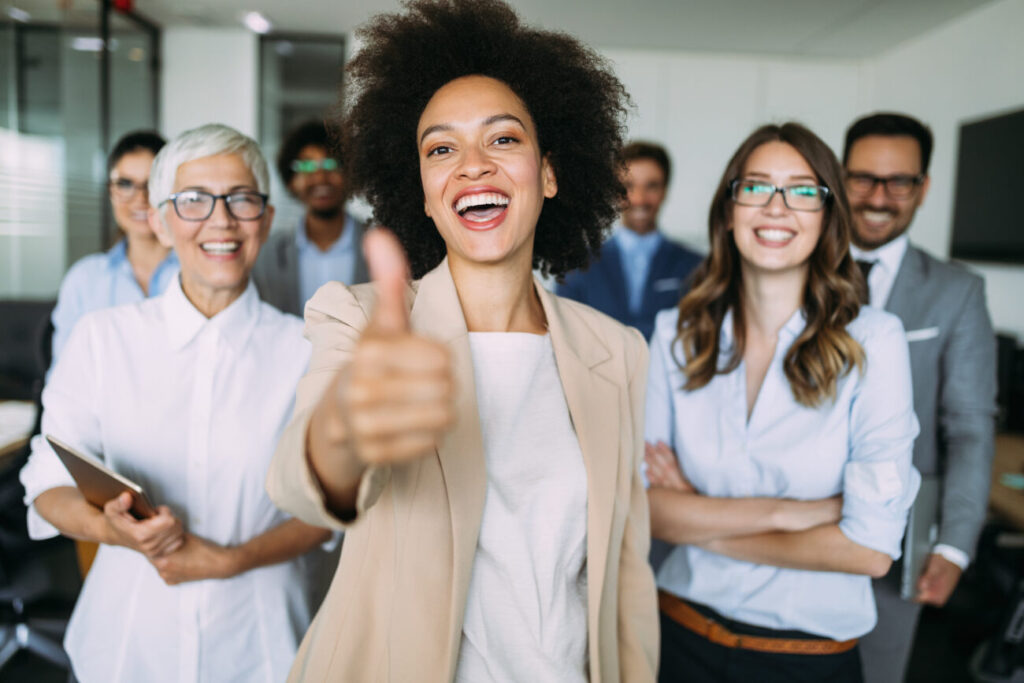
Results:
x,y
99,483
922,532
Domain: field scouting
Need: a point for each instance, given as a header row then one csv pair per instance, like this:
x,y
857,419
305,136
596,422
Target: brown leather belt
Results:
x,y
711,630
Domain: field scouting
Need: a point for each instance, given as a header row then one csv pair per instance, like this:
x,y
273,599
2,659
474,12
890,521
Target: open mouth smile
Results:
x,y
222,248
481,208
774,237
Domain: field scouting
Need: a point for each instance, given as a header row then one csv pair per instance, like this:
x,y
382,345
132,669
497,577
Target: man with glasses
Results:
x,y
327,242
639,272
952,353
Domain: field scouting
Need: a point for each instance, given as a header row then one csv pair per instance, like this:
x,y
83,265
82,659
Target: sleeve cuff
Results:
x,y
954,555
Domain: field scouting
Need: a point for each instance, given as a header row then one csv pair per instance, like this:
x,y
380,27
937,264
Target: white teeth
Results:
x,y
220,247
877,216
482,199
773,235
140,216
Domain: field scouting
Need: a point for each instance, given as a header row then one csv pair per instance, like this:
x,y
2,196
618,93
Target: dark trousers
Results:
x,y
689,658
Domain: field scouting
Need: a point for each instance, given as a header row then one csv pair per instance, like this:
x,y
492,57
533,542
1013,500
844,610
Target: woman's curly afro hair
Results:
x,y
577,104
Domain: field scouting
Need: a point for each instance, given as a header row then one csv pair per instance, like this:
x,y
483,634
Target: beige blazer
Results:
x,y
395,607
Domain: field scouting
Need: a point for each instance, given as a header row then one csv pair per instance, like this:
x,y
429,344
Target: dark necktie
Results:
x,y
865,269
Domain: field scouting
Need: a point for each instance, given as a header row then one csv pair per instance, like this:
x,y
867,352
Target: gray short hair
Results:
x,y
204,141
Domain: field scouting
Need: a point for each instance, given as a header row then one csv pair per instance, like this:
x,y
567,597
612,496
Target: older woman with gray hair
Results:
x,y
185,394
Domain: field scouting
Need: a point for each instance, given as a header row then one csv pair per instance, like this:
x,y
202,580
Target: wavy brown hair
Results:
x,y
824,351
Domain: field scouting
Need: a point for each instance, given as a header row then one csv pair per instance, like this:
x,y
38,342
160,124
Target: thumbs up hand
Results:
x,y
398,399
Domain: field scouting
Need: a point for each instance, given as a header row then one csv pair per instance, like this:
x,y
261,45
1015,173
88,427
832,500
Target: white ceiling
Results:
x,y
799,28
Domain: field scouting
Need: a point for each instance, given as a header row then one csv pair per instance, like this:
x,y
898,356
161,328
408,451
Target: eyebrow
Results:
x,y
758,174
203,188
445,127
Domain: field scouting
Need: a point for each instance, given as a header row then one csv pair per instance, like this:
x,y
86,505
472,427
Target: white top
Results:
x,y
191,409
526,611
858,445
887,259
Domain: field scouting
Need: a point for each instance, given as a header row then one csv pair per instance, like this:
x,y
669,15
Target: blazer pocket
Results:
x,y
922,334
667,284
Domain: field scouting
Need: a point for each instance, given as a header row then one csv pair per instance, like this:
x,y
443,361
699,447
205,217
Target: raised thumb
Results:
x,y
389,271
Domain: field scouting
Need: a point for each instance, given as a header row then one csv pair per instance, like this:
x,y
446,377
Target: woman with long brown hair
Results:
x,y
779,429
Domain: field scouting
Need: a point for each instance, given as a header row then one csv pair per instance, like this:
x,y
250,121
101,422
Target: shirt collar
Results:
x,y
234,324
631,241
344,242
890,255
117,254
791,329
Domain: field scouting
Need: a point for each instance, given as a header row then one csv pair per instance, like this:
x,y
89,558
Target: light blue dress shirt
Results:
x,y
100,281
317,268
637,252
858,445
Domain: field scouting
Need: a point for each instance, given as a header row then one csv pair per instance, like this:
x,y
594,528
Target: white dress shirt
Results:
x,y
858,445
526,608
887,259
191,409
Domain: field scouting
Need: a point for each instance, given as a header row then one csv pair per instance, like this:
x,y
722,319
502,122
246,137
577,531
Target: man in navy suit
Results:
x,y
639,271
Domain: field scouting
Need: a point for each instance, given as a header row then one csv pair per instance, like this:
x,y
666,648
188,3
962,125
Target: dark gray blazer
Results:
x,y
276,272
953,364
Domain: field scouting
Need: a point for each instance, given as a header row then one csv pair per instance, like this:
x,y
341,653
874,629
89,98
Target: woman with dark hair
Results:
x,y
789,408
137,266
479,438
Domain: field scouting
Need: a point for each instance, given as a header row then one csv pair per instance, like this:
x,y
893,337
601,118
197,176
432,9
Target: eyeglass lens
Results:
x,y
314,165
125,189
896,186
796,197
195,205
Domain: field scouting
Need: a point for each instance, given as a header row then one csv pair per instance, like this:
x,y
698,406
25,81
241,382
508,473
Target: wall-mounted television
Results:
x,y
988,217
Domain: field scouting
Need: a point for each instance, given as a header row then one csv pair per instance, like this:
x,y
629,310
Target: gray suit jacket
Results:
x,y
276,272
953,363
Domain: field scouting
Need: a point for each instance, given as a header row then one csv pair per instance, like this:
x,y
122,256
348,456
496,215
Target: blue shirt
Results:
x,y
637,252
858,445
100,281
317,268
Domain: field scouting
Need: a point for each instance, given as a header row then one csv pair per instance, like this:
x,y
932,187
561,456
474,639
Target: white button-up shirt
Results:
x,y
887,260
858,445
191,409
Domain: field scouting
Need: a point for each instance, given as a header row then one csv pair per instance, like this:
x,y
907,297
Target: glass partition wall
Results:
x,y
68,89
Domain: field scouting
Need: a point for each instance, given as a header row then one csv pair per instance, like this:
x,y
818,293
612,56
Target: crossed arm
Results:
x,y
178,555
784,533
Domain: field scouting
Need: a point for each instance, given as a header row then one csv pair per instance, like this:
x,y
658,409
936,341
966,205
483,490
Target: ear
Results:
x,y
159,227
265,223
923,192
548,173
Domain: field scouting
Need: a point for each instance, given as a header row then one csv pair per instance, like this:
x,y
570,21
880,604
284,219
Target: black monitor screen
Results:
x,y
988,220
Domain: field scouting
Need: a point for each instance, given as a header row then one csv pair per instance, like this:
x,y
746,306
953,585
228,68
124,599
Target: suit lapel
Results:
x,y
361,273
909,277
288,257
594,406
437,313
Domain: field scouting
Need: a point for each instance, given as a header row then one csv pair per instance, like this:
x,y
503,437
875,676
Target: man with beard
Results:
x,y
952,354
327,242
639,271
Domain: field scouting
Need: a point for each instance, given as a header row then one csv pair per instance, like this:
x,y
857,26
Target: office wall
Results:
x,y
209,75
702,106
967,70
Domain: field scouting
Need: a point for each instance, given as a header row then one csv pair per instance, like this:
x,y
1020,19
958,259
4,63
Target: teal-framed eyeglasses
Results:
x,y
798,196
314,165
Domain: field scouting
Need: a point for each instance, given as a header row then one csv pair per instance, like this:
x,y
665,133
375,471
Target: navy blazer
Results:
x,y
603,284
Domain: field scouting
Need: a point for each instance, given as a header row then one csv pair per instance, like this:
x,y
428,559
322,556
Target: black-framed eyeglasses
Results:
x,y
124,189
314,165
196,205
798,197
898,186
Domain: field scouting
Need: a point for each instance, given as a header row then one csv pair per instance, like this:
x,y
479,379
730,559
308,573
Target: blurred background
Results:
x,y
77,74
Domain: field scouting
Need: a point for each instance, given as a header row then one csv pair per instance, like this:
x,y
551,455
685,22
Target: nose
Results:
x,y
877,196
776,205
475,163
221,217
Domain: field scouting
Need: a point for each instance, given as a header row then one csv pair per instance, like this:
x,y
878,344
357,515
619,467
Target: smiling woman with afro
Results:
x,y
479,438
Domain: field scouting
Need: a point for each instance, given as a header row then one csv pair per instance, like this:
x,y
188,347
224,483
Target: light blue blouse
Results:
x,y
317,268
858,445
100,281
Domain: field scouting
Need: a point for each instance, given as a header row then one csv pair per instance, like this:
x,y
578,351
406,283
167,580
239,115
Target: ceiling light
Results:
x,y
256,22
19,14
87,44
